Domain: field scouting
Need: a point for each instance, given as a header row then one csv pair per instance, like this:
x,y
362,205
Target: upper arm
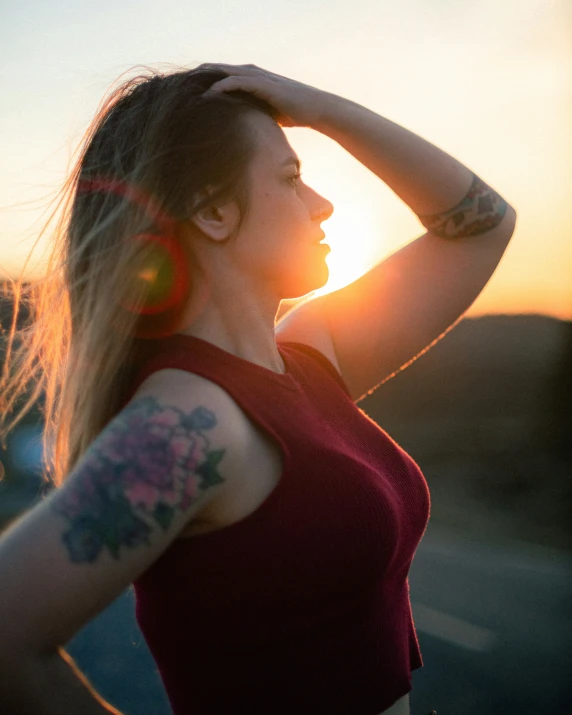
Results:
x,y
146,475
391,315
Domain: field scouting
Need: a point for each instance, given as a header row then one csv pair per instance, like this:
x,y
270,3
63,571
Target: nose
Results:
x,y
324,209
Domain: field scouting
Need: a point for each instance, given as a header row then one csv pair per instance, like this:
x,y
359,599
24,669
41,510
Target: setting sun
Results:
x,y
355,245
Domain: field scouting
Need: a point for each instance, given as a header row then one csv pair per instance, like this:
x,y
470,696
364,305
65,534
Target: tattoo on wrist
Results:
x,y
147,464
481,210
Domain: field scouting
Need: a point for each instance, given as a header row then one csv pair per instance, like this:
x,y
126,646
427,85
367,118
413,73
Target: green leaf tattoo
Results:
x,y
150,461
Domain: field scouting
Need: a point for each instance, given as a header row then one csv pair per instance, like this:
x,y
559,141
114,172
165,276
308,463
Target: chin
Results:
x,y
298,288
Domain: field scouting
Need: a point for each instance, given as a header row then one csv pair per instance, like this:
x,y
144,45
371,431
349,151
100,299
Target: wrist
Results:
x,y
336,113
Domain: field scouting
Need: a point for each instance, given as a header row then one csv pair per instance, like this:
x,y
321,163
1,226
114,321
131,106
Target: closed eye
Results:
x,y
294,179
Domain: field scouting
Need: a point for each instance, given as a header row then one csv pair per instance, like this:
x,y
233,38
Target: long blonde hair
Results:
x,y
159,134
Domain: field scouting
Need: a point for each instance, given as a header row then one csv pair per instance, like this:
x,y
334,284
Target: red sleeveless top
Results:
x,y
303,606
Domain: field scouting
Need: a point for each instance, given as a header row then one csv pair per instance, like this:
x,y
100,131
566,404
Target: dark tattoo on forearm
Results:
x,y
481,210
149,462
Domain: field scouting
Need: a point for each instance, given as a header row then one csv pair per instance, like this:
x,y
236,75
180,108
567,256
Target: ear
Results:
x,y
217,221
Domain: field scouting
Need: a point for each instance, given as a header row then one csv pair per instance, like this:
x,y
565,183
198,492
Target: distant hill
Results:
x,y
495,363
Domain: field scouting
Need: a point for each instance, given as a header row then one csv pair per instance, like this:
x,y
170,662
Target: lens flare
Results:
x,y
162,277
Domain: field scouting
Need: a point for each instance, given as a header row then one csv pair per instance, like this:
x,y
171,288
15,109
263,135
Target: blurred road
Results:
x,y
493,621
495,627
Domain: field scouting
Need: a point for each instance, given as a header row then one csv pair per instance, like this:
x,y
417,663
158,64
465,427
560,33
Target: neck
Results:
x,y
239,321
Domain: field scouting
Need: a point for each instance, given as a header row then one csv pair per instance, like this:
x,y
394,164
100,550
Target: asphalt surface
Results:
x,y
495,627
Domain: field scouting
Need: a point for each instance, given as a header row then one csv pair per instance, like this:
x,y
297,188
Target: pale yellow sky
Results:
x,y
488,82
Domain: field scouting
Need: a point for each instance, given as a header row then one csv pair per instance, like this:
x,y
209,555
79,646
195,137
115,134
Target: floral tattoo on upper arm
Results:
x,y
150,462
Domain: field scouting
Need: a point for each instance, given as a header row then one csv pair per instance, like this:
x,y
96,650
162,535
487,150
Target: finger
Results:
x,y
234,83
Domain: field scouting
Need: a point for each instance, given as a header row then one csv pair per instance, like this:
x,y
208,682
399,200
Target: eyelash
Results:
x,y
295,177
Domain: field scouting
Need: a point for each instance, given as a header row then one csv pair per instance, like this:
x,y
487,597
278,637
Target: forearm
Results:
x,y
48,686
426,178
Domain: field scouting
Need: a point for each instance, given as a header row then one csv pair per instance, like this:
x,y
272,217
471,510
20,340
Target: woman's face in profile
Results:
x,y
277,240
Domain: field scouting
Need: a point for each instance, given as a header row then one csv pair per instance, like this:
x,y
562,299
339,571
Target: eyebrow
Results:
x,y
292,160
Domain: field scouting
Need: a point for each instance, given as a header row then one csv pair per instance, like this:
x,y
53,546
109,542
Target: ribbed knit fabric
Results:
x,y
303,606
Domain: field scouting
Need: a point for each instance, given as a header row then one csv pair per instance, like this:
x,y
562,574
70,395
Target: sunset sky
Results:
x,y
488,82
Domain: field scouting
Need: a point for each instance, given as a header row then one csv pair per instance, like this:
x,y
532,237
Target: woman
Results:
x,y
214,459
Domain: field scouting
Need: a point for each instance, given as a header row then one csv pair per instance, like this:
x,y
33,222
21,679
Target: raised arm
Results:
x,y
148,474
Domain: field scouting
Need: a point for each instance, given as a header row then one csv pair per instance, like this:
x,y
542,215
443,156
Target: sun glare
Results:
x,y
357,245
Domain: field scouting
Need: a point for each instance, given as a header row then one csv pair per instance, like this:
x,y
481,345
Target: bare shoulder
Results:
x,y
178,385
186,393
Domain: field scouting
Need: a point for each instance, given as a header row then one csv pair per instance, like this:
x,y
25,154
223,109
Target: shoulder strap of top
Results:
x,y
322,360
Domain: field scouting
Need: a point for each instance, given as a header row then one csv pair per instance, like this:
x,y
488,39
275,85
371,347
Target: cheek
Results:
x,y
279,211
267,206
276,214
